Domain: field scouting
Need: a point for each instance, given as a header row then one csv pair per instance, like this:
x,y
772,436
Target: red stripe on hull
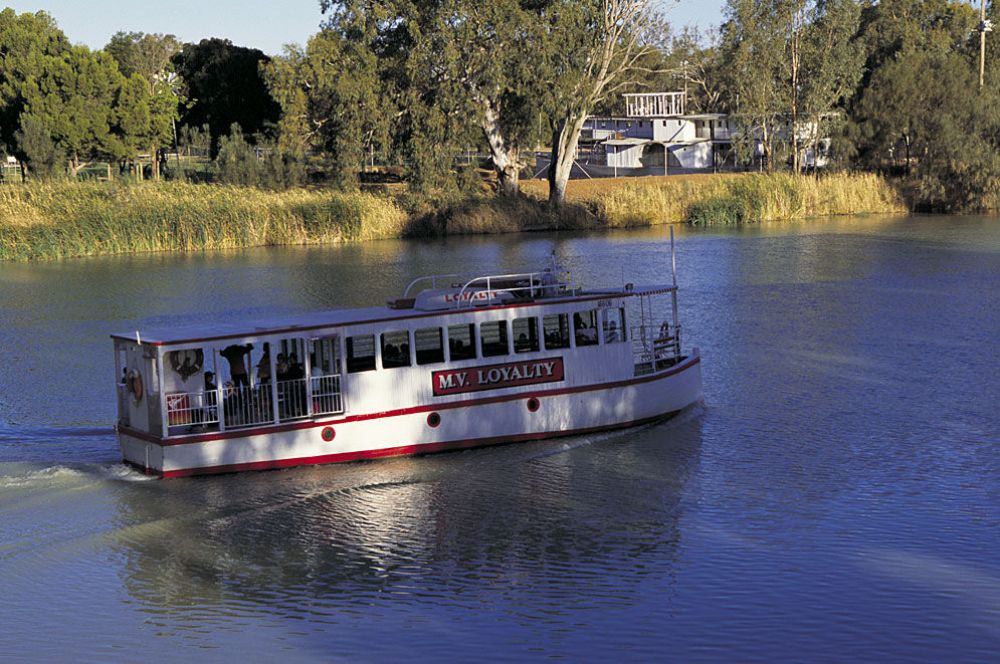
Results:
x,y
244,433
402,450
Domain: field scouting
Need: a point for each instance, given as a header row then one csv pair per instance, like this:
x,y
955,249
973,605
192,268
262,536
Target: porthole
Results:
x,y
533,404
329,434
433,420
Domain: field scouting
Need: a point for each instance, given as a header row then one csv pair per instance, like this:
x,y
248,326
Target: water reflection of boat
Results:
x,y
453,363
532,525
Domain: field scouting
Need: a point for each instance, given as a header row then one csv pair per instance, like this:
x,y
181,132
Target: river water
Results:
x,y
836,497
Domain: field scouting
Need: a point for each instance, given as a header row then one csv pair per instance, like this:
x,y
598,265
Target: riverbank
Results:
x,y
706,199
61,220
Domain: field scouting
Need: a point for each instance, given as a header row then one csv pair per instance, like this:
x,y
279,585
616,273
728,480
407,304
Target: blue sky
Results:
x,y
263,24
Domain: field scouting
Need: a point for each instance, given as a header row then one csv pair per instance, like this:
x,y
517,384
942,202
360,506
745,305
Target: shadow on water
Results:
x,y
545,529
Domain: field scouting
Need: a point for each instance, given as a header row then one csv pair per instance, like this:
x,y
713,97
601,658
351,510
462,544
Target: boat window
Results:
x,y
461,342
361,353
494,338
525,335
324,357
395,349
556,328
429,343
585,327
613,323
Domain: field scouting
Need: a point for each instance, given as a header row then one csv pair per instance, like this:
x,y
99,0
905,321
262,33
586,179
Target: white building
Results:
x,y
656,134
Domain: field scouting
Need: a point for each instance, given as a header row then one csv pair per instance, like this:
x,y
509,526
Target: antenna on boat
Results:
x,y
673,295
137,339
673,257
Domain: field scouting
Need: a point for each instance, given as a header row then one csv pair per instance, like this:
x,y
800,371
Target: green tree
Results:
x,y
26,40
890,117
38,149
833,62
73,98
343,116
223,85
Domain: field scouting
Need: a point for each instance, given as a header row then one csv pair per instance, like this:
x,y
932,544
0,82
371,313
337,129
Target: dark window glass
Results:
x,y
429,343
585,327
494,338
525,335
556,327
395,349
361,353
461,342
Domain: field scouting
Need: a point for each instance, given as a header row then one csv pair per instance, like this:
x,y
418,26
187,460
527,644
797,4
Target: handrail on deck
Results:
x,y
536,282
432,278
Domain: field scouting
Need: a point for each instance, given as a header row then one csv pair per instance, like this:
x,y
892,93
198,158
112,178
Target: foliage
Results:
x,y
345,117
262,165
38,148
223,85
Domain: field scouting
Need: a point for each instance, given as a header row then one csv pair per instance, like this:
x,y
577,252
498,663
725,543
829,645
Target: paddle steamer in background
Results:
x,y
456,362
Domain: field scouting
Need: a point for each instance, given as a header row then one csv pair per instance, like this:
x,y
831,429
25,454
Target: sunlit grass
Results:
x,y
58,220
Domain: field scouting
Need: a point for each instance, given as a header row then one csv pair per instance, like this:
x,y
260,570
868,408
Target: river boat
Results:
x,y
455,362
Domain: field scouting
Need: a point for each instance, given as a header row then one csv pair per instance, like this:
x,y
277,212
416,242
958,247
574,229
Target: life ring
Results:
x,y
135,385
186,362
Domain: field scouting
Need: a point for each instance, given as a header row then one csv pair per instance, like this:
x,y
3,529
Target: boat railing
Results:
x,y
326,396
185,409
246,406
433,279
655,347
539,284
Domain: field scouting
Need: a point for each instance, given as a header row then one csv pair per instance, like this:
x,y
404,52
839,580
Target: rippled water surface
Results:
x,y
836,498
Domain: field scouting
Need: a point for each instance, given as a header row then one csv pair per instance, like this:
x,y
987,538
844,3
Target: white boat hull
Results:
x,y
528,413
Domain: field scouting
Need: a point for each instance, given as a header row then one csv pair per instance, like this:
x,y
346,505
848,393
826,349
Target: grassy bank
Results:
x,y
66,219
729,198
59,220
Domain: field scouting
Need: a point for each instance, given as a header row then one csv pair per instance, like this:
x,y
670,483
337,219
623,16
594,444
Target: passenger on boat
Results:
x,y
295,369
237,366
264,366
209,401
585,336
282,367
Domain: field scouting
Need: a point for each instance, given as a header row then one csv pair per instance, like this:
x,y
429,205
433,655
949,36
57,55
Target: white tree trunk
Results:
x,y
506,157
565,138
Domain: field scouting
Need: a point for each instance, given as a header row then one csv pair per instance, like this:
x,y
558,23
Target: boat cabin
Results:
x,y
445,338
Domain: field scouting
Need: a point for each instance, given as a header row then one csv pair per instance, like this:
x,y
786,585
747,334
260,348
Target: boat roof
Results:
x,y
261,326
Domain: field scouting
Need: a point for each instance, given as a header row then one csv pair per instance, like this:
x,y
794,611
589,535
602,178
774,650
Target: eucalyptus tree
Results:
x,y
833,62
147,113
452,68
593,48
754,49
343,115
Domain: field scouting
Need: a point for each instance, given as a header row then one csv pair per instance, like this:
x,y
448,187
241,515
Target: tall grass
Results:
x,y
730,198
60,220
82,219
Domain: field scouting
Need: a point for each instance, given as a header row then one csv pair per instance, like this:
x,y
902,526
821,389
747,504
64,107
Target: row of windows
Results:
x,y
493,339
